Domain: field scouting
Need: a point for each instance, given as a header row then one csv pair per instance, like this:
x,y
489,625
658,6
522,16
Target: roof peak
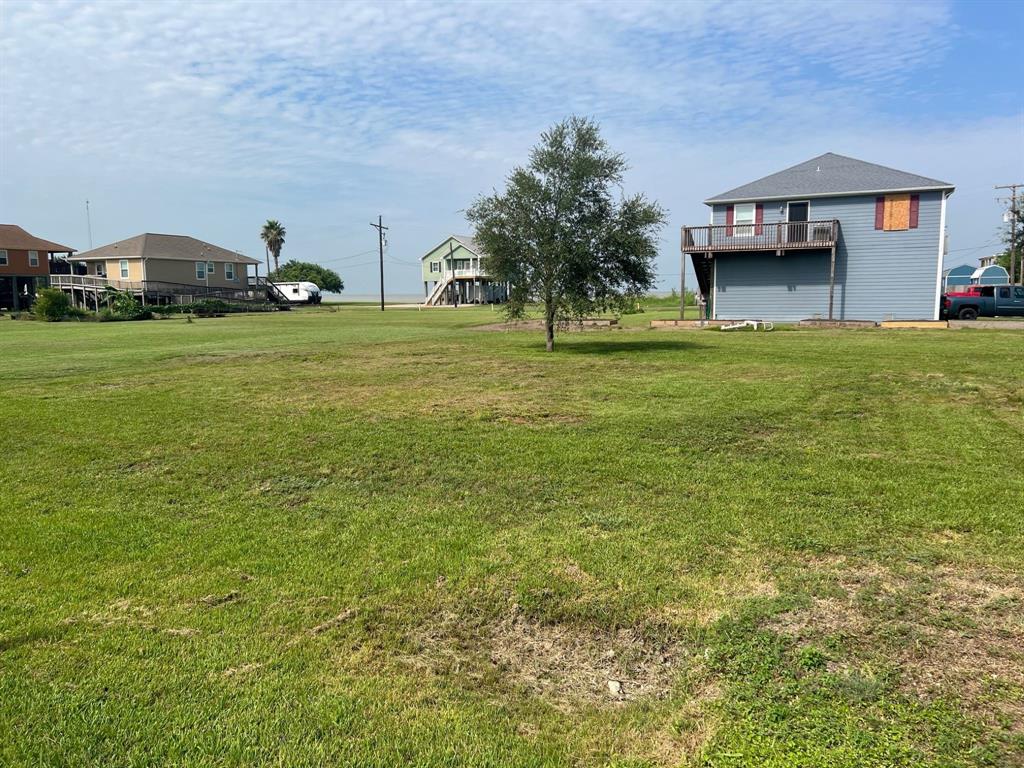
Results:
x,y
15,237
829,174
158,245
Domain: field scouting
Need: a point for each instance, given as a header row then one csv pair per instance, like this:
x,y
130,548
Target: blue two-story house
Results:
x,y
831,238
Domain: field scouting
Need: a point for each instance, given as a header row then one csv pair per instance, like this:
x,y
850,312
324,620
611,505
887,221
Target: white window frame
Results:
x,y
123,267
200,270
211,268
100,269
4,261
33,258
744,228
229,271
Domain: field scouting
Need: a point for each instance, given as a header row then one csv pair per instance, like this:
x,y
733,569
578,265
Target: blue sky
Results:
x,y
206,119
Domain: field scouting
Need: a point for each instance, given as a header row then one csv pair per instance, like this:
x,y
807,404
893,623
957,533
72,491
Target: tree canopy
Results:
x,y
273,234
561,236
303,271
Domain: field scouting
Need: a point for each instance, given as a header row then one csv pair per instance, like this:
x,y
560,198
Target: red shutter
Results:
x,y
758,219
879,213
915,206
729,213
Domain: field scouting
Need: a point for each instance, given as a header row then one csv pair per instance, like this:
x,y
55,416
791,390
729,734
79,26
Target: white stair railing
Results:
x,y
438,291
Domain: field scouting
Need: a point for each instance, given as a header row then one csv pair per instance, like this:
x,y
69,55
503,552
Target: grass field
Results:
x,y
337,537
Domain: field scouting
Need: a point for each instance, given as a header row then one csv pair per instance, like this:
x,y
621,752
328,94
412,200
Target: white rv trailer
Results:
x,y
300,293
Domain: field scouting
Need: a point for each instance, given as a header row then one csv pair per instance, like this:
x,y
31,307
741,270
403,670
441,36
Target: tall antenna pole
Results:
x,y
1013,231
88,222
379,226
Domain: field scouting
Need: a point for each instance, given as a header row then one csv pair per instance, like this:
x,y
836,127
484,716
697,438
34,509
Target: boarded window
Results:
x,y
897,212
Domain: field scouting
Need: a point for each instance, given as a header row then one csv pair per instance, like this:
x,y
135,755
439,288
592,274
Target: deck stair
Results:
x,y
438,292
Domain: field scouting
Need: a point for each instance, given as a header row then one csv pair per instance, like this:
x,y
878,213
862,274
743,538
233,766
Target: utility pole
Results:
x,y
379,226
454,295
1013,231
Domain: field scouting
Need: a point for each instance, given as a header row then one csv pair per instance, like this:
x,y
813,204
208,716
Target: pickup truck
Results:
x,y
984,301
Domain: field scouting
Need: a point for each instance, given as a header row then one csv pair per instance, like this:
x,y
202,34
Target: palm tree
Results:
x,y
272,234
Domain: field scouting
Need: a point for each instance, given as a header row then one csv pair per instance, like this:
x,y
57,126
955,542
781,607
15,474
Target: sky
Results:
x,y
208,118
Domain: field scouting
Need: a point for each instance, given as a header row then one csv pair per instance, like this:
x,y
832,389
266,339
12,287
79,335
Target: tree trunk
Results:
x,y
277,256
549,327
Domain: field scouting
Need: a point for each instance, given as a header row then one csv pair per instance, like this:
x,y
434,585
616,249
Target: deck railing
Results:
x,y
761,237
94,281
185,292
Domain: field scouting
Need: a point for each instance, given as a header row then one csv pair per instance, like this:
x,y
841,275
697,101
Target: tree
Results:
x,y
272,234
124,305
302,271
560,237
51,305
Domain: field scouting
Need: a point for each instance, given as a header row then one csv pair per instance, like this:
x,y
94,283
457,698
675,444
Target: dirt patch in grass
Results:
x,y
566,665
599,678
712,598
948,631
215,601
242,670
119,612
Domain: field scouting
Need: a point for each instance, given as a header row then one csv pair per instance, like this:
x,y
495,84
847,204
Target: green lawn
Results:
x,y
341,537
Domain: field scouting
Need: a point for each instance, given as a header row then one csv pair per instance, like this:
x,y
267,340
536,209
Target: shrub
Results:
x,y
209,306
107,315
51,305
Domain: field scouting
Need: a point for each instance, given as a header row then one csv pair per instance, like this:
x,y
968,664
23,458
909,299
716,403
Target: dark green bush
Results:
x,y
209,306
108,315
51,305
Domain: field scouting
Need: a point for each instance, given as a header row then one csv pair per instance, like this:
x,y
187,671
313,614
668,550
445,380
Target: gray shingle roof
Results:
x,y
154,246
828,174
469,243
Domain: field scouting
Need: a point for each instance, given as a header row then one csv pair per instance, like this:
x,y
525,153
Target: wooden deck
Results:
x,y
775,236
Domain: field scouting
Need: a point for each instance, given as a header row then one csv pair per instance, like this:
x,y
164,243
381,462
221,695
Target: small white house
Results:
x,y
300,293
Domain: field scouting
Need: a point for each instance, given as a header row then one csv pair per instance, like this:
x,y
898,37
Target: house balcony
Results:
x,y
94,282
775,236
472,272
90,289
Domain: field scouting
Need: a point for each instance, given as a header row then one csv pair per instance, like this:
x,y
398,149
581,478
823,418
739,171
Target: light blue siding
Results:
x,y
879,274
759,286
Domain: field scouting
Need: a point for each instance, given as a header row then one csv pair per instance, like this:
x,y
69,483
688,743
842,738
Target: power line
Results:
x,y
974,247
346,258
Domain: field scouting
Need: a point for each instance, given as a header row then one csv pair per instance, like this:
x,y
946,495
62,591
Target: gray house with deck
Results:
x,y
832,238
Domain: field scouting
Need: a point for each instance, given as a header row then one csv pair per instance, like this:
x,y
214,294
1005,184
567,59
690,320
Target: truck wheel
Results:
x,y
968,313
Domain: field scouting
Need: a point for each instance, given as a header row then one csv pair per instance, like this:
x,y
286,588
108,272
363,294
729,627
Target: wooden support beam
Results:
x,y
831,283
